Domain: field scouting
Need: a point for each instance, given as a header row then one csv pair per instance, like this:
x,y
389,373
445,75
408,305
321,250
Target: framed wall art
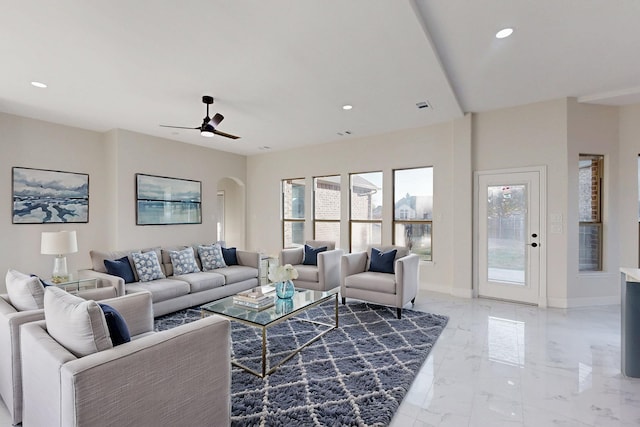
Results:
x,y
162,200
48,196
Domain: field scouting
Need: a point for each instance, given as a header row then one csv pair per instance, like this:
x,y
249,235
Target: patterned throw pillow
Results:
x,y
147,266
211,257
183,261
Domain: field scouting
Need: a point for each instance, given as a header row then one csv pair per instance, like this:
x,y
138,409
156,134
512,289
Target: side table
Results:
x,y
75,285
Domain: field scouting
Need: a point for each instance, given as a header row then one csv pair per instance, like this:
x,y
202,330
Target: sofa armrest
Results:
x,y
180,376
406,271
10,359
351,264
104,280
248,259
329,268
137,310
291,256
42,358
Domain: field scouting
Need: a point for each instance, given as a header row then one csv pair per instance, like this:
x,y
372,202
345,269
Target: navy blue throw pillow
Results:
x,y
311,254
229,255
121,268
118,328
382,262
44,282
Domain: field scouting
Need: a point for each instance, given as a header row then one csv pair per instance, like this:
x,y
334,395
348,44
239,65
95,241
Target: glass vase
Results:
x,y
285,289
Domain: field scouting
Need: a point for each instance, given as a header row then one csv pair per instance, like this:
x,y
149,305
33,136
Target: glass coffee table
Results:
x,y
263,319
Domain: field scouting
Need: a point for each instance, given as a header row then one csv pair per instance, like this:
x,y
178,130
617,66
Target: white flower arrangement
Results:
x,y
282,273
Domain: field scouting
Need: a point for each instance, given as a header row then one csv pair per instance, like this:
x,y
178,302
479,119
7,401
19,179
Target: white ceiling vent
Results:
x,y
423,104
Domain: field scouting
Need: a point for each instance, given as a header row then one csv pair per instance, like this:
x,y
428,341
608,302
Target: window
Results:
x,y
590,174
326,208
365,210
293,194
413,210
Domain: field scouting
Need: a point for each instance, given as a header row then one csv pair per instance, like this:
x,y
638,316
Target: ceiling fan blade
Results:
x,y
227,135
178,127
216,119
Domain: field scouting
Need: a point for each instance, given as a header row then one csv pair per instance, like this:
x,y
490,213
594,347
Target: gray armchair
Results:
x,y
392,289
321,277
10,359
181,376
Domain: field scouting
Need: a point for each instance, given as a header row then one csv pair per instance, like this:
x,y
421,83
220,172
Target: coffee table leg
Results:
x,y
264,351
336,310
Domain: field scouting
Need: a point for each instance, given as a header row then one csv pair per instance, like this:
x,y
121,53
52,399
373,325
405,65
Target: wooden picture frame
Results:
x,y
162,200
41,196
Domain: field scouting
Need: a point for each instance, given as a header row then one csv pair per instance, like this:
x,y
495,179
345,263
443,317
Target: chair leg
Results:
x,y
399,312
344,300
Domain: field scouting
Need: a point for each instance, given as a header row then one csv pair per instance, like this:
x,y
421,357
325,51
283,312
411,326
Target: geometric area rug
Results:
x,y
355,375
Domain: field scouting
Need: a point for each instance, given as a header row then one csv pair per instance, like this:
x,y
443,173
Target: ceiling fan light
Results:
x,y
207,131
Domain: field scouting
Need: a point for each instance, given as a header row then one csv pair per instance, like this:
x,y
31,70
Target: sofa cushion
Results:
x,y
311,254
237,273
183,261
372,281
118,329
77,324
120,267
161,289
203,281
25,292
382,262
211,257
308,273
230,256
147,266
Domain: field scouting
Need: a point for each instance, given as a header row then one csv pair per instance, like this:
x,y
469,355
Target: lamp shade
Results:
x,y
58,242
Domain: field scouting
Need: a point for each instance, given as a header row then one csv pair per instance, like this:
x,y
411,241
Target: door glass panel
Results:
x,y
506,233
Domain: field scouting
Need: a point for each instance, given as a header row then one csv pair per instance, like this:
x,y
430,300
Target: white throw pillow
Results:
x,y
78,325
25,292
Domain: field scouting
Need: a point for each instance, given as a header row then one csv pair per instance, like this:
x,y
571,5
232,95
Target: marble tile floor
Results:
x,y
505,364
502,364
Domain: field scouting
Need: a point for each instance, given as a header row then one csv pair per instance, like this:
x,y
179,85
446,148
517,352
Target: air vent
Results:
x,y
422,104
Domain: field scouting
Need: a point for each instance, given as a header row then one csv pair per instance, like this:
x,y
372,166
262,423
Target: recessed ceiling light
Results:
x,y
505,32
347,107
38,84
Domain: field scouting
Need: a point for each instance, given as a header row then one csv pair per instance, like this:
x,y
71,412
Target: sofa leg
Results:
x,y
413,301
344,300
399,311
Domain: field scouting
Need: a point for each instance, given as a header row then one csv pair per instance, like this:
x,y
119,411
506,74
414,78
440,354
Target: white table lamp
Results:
x,y
59,243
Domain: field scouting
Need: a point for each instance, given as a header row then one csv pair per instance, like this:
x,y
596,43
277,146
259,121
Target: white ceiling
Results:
x,y
280,70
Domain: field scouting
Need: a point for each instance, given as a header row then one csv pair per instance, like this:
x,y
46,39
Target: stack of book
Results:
x,y
254,300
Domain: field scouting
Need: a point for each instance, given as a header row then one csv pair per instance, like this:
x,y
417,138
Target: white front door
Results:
x,y
510,223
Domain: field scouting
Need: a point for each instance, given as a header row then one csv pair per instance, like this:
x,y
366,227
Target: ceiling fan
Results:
x,y
208,126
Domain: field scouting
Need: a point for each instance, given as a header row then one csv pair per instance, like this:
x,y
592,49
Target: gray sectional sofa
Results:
x,y
176,292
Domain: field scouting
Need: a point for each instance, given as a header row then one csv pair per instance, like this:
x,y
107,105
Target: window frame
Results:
x,y
315,220
286,220
408,221
362,221
597,221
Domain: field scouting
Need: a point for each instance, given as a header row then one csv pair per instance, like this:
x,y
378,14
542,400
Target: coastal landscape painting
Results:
x,y
44,196
162,200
